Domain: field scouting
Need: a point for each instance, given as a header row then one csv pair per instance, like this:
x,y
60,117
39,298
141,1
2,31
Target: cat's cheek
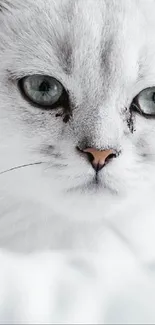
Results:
x,y
143,138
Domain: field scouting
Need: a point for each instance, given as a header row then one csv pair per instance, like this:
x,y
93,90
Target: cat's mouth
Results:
x,y
97,183
94,185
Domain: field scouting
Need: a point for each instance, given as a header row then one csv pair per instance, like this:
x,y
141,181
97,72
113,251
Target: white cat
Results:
x,y
77,149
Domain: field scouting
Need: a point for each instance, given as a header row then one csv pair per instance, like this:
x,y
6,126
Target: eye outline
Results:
x,y
63,100
135,105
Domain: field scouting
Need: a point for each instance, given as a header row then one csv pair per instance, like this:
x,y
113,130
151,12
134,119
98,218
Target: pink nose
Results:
x,y
98,158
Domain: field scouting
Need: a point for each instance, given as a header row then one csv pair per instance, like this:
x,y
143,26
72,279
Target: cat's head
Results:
x,y
77,76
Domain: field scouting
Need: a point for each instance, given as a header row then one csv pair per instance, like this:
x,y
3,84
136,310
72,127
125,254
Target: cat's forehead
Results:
x,y
94,14
79,21
89,35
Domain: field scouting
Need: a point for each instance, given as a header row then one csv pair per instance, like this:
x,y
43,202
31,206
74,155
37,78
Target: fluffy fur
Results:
x,y
103,53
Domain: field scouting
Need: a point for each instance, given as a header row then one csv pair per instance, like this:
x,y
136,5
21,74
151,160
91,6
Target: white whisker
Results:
x,y
21,166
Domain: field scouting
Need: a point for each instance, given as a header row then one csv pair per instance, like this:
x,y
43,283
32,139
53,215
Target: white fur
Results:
x,y
104,54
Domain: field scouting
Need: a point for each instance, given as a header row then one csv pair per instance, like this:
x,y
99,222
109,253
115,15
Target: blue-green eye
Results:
x,y
146,101
42,90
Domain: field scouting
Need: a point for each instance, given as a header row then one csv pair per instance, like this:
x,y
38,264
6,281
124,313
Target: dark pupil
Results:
x,y
44,86
153,98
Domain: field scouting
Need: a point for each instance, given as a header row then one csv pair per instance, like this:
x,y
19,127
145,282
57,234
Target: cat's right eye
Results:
x,y
144,103
41,90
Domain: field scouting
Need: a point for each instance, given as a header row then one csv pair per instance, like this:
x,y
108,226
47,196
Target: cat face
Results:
x,y
70,73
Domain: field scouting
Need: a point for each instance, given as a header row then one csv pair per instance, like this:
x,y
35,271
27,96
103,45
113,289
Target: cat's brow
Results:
x,y
63,45
65,56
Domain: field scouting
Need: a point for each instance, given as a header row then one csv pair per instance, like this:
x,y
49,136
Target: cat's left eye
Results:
x,y
145,102
41,90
